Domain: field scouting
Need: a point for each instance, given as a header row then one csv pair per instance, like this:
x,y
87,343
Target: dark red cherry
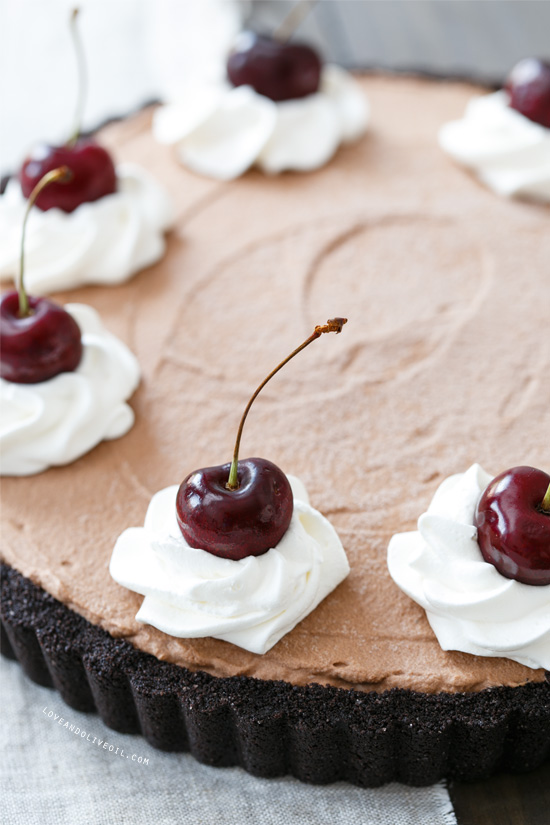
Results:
x,y
513,528
242,508
528,85
92,168
40,345
277,69
237,523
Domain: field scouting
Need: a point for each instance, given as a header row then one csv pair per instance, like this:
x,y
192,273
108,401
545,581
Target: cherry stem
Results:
x,y
546,501
332,325
81,73
62,175
293,19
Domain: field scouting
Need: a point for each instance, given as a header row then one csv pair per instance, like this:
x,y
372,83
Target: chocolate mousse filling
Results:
x,y
446,290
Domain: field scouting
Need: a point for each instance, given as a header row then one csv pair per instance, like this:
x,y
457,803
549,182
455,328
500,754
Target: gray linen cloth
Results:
x,y
52,775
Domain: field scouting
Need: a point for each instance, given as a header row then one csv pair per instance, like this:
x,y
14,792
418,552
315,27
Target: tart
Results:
x,y
440,366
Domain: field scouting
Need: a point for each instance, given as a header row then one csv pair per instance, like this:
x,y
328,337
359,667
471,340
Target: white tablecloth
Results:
x,y
54,776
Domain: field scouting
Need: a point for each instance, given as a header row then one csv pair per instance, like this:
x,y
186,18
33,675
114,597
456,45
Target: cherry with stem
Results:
x,y
273,66
293,20
528,87
94,174
513,525
243,508
63,175
82,79
38,338
332,325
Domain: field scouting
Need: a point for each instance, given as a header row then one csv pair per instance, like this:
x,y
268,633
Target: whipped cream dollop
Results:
x,y
252,602
102,242
221,130
507,151
469,604
54,422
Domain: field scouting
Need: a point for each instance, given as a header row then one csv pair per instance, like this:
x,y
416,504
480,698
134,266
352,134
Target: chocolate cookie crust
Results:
x,y
319,734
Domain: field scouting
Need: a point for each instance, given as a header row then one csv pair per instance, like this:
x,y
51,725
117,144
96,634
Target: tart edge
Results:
x,y
316,733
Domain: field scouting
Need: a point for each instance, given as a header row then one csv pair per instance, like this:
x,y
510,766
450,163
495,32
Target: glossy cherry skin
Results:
x,y
39,346
234,524
278,70
528,85
512,529
92,168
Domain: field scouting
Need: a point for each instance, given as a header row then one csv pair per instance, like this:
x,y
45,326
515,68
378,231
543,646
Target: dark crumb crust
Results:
x,y
318,734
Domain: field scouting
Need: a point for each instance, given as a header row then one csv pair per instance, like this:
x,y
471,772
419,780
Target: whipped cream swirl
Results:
x,y
102,242
469,604
222,131
252,602
507,151
54,422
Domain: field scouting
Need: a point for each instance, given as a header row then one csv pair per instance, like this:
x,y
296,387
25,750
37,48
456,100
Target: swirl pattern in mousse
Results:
x,y
427,382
